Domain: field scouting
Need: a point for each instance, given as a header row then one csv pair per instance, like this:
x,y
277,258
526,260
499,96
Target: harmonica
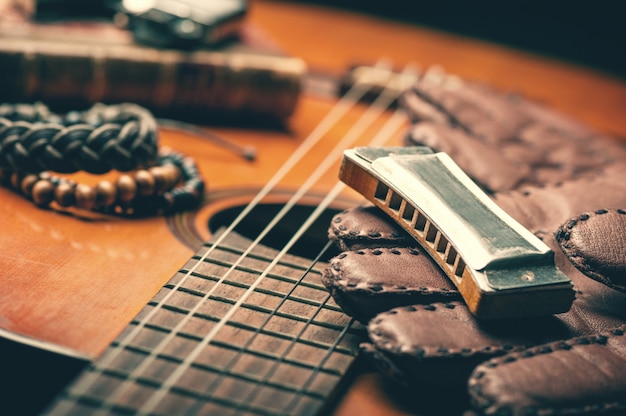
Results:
x,y
500,268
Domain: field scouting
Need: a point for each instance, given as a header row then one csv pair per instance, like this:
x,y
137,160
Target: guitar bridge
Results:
x,y
500,268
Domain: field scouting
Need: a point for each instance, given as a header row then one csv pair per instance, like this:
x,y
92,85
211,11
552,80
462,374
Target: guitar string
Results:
x,y
313,136
381,103
228,368
392,125
345,103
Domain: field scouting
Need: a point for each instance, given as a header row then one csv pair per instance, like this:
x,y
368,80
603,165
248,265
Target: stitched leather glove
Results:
x,y
560,180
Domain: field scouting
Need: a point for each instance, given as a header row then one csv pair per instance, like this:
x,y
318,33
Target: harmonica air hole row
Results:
x,y
425,230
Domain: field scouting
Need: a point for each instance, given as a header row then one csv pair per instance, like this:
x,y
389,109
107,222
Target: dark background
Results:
x,y
591,34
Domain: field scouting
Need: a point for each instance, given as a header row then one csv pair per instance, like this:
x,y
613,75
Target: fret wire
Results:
x,y
292,317
97,404
251,328
373,112
256,256
270,292
322,206
253,270
129,336
279,360
244,348
199,397
391,125
349,100
258,290
155,399
257,353
324,359
151,383
250,306
236,283
253,308
277,277
144,381
251,256
318,368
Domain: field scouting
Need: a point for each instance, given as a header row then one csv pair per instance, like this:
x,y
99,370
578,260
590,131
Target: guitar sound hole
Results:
x,y
308,246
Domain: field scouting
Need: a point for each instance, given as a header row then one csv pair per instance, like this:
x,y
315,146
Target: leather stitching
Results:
x,y
347,285
563,235
483,401
433,352
342,231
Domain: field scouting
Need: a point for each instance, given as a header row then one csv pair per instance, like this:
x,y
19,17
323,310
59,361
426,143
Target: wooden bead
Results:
x,y
106,194
85,196
126,188
27,184
64,194
172,175
173,185
43,192
145,183
158,173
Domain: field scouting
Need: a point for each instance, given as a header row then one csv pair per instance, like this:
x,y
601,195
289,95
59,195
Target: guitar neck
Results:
x,y
195,349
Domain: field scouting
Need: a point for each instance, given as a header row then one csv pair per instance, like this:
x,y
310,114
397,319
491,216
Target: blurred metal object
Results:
x,y
181,23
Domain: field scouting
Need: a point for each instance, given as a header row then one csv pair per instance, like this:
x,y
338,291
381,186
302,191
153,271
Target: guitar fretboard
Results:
x,y
283,351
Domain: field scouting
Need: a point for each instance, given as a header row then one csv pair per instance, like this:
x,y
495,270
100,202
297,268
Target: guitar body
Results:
x,y
72,282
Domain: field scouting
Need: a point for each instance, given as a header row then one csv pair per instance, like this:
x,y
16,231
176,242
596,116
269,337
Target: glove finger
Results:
x,y
410,341
382,267
543,209
596,244
523,383
508,130
416,340
472,107
366,226
589,370
443,342
368,281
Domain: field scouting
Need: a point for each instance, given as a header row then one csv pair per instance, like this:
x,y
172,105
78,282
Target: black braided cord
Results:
x,y
123,137
119,137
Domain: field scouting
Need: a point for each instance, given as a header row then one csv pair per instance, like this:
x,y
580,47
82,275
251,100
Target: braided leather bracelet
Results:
x,y
123,137
103,138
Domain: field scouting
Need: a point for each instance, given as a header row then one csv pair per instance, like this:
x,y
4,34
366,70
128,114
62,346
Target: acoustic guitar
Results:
x,y
220,310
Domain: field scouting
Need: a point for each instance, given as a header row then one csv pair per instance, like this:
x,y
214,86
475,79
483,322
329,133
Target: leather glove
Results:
x,y
560,180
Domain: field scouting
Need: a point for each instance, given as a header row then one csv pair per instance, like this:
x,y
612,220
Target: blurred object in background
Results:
x,y
159,23
69,63
181,23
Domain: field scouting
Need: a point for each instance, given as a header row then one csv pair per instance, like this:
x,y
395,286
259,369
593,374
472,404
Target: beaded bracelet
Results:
x,y
34,141
172,185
